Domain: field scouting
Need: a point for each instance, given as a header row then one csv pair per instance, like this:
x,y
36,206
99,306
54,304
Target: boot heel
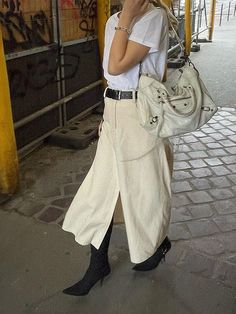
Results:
x,y
101,281
163,259
105,276
166,249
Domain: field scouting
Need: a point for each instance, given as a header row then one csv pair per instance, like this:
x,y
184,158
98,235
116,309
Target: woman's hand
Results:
x,y
134,8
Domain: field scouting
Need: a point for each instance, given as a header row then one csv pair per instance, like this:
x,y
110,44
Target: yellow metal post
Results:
x,y
103,13
188,27
9,176
211,19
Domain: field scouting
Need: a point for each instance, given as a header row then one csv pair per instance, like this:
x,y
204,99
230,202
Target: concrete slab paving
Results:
x,y
39,260
217,64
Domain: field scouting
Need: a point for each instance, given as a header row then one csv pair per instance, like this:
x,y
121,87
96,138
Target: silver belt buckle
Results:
x,y
119,94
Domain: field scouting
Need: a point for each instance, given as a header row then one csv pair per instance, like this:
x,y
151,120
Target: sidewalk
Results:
x,y
38,259
217,63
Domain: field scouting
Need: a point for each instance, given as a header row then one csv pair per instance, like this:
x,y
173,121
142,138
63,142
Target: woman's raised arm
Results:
x,y
124,53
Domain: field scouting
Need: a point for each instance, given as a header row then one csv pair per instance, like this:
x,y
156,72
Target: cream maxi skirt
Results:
x,y
131,164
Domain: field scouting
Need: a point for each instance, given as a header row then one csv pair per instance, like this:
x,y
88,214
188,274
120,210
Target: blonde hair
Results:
x,y
173,21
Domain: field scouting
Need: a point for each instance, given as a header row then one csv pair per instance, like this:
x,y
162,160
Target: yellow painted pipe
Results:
x,y
103,13
211,19
188,27
9,169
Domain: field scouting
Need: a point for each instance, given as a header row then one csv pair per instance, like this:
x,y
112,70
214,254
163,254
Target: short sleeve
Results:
x,y
148,29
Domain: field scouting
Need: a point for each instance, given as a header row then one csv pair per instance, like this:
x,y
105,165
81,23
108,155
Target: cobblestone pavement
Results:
x,y
204,193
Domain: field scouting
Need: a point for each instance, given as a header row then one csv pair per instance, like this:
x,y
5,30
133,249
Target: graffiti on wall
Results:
x,y
21,29
40,73
78,18
25,28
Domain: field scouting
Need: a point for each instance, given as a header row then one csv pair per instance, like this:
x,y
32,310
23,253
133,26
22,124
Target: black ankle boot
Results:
x,y
153,261
99,267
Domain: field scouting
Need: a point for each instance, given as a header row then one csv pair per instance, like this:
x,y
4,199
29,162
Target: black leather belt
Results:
x,y
118,94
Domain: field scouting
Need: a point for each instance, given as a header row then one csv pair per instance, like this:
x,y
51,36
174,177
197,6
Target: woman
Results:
x,y
128,159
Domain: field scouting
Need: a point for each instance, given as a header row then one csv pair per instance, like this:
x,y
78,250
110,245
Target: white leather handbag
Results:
x,y
178,106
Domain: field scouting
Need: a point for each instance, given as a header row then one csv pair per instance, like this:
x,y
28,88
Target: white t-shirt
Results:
x,y
150,30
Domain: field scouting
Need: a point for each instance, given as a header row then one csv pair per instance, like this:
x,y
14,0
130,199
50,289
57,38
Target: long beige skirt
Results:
x,y
131,164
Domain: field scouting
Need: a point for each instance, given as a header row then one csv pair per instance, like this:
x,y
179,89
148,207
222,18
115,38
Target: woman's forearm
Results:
x,y
119,44
124,55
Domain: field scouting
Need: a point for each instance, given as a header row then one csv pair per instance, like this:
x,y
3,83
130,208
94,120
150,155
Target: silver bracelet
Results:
x,y
124,29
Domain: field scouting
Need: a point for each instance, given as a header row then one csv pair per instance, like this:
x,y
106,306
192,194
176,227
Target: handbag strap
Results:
x,y
182,47
178,38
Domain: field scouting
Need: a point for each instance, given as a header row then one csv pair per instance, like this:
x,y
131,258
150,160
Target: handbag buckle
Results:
x,y
154,119
206,108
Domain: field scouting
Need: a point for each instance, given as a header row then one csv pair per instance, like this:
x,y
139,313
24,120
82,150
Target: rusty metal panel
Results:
x,y
33,82
83,102
82,65
78,19
26,24
52,52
